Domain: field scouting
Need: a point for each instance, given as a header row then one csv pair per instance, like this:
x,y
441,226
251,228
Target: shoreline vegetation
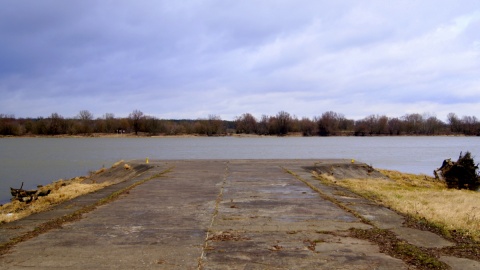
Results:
x,y
234,135
282,124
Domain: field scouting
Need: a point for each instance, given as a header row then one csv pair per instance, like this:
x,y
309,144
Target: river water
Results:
x,y
43,160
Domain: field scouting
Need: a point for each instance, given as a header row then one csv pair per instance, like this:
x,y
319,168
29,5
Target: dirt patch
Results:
x,y
465,247
388,242
227,236
345,170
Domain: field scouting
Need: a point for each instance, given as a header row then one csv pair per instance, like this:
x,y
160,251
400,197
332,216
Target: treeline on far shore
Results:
x,y
328,124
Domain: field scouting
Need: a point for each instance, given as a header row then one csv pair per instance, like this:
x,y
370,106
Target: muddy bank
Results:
x,y
343,169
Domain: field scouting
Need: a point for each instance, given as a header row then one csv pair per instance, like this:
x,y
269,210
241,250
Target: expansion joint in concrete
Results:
x,y
394,239
214,215
329,198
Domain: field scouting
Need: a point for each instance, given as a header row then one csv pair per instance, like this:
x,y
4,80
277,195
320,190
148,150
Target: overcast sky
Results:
x,y
191,59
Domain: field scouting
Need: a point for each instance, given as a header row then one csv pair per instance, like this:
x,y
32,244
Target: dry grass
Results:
x,y
423,197
60,191
116,164
98,171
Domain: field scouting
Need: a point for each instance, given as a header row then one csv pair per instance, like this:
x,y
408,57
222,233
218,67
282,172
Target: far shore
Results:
x,y
142,135
240,135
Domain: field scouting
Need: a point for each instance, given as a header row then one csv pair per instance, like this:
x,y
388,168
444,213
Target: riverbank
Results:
x,y
238,135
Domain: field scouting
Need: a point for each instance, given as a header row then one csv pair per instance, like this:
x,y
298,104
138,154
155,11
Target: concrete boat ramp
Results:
x,y
214,214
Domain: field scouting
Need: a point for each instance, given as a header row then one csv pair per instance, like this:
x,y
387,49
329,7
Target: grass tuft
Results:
x,y
116,164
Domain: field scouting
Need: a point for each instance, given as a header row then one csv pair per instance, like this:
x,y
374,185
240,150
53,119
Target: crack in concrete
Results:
x,y
214,215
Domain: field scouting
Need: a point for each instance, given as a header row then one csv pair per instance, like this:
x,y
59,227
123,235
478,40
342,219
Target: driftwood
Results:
x,y
460,174
446,166
27,195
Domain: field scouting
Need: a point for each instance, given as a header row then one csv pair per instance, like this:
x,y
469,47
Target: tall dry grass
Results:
x,y
423,197
60,191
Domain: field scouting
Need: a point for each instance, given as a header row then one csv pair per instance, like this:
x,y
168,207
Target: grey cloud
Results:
x,y
224,57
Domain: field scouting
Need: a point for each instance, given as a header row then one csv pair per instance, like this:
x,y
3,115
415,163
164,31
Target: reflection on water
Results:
x,y
43,160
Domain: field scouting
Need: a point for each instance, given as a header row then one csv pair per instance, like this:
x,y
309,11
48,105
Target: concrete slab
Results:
x,y
302,250
421,238
460,263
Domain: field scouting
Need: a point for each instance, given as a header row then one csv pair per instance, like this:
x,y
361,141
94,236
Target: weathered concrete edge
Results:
x,y
360,207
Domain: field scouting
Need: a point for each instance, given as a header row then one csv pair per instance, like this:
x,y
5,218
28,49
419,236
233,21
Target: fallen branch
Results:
x,y
27,196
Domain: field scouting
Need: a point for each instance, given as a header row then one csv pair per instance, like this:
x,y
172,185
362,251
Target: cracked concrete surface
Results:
x,y
219,214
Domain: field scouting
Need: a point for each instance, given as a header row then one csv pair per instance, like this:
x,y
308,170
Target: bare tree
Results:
x,y
215,125
413,123
454,122
262,126
470,125
307,127
380,125
136,117
283,123
85,115
152,125
246,124
8,125
86,120
328,123
394,126
433,126
111,124
56,124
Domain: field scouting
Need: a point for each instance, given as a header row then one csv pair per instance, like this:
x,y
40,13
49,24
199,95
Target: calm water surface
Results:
x,y
43,160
